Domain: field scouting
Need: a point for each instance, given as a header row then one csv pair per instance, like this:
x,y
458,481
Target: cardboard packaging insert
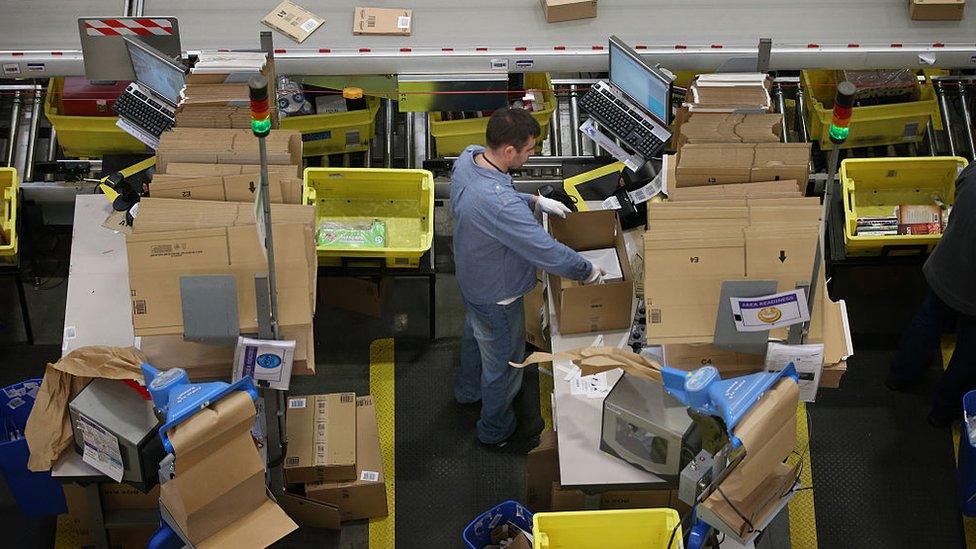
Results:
x,y
937,10
724,163
595,307
321,438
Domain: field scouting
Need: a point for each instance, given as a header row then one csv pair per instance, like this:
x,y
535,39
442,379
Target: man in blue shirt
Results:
x,y
498,245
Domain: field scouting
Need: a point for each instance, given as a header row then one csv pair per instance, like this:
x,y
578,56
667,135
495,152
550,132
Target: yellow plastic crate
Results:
x,y
872,125
86,136
453,136
403,199
9,187
874,186
335,133
624,529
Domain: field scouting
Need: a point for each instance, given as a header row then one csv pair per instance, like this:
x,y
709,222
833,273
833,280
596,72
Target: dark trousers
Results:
x,y
920,343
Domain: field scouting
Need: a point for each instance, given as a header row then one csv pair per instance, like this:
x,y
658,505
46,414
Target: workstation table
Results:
x,y
456,37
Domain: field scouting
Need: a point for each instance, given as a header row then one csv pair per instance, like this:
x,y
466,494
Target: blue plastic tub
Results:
x,y
478,534
37,494
967,459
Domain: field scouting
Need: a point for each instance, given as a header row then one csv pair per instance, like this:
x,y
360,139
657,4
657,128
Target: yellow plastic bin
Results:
x,y
402,199
874,186
86,136
623,529
9,187
453,136
871,125
335,133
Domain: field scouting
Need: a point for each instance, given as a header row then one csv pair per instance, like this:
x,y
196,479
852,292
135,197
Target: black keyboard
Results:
x,y
614,114
144,111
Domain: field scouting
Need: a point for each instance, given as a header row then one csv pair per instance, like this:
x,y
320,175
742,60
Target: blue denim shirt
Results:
x,y
498,244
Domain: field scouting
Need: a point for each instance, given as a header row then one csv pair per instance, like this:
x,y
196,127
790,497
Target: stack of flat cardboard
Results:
x,y
706,127
216,93
334,451
724,163
730,92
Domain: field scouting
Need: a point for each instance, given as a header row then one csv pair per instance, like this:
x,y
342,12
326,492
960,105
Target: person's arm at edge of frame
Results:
x,y
518,229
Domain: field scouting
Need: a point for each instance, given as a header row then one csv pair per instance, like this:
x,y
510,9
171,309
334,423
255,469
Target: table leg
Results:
x,y
24,309
94,495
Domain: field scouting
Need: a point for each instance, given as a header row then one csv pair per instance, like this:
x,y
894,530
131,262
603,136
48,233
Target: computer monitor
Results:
x,y
156,71
645,85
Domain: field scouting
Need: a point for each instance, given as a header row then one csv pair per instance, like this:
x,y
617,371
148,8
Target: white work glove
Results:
x,y
596,275
550,206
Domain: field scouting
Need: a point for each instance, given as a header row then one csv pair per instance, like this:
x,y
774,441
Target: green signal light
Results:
x,y
261,127
838,134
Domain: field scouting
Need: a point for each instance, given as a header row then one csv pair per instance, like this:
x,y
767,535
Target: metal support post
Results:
x,y
946,118
14,125
411,117
574,123
556,128
967,120
781,106
931,138
801,114
388,138
32,136
765,49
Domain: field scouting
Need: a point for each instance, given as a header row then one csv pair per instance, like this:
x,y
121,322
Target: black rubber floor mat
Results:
x,y
444,477
882,476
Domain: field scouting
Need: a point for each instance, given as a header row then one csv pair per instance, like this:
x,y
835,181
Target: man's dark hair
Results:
x,y
511,127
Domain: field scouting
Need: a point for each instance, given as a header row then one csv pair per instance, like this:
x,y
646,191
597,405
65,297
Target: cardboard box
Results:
x,y
595,307
293,21
730,92
204,169
321,438
703,127
158,260
205,362
114,497
541,471
311,513
364,497
166,214
937,10
393,22
228,146
225,188
763,189
691,356
724,163
568,10
218,497
363,295
536,326
575,500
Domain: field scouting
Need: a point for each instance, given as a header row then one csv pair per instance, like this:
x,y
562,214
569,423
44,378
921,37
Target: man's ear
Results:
x,y
510,151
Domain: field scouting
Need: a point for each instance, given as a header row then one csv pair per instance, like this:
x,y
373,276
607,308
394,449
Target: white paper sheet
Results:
x,y
101,449
808,360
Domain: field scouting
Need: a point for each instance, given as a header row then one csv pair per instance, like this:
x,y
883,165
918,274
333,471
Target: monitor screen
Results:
x,y
640,83
159,75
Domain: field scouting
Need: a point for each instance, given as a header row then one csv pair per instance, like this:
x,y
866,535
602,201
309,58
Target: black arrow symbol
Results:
x,y
251,186
782,256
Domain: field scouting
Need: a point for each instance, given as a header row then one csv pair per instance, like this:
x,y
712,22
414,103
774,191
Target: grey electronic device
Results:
x,y
147,107
115,407
103,47
648,428
695,478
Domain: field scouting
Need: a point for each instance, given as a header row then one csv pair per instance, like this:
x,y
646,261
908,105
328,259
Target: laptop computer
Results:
x,y
635,105
147,107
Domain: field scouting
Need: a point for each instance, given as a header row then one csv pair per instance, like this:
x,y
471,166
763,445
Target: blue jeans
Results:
x,y
493,336
920,343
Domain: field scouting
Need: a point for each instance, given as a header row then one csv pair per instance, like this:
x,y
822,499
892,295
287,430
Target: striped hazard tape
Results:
x,y
128,27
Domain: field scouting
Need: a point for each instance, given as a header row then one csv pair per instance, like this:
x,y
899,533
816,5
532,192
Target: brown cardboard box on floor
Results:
x,y
228,146
393,22
557,11
114,497
364,497
363,295
724,163
218,497
937,10
541,471
595,307
158,260
321,438
311,513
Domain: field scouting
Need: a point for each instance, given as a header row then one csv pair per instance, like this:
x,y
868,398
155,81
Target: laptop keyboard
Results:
x,y
148,113
614,114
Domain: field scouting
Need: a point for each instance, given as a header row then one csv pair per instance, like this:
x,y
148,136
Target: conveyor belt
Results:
x,y
683,35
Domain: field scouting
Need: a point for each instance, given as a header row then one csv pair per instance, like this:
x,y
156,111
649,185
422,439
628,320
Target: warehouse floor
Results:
x,y
881,476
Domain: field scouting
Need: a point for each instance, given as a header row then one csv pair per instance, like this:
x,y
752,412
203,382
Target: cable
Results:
x,y
674,530
736,509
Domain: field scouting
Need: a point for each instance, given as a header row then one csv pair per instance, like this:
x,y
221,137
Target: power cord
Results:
x,y
674,530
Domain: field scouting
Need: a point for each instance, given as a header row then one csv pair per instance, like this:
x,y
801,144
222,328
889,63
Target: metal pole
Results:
x,y
269,237
32,136
574,136
946,119
428,138
930,137
388,138
801,114
967,121
410,139
14,124
557,130
781,106
52,146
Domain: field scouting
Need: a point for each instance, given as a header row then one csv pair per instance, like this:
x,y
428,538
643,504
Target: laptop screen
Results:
x,y
155,72
639,82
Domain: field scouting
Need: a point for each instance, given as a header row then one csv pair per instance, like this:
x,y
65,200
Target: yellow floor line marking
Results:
x,y
382,532
969,523
545,393
803,517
